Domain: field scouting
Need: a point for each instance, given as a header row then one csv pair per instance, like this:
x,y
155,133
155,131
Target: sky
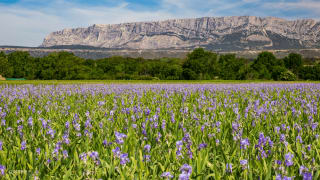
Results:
x,y
27,22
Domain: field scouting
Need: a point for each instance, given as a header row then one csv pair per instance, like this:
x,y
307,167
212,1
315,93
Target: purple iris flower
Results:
x,y
3,122
38,150
116,152
23,145
65,154
120,137
51,132
299,139
146,158
217,142
67,125
147,148
202,145
307,176
167,175
186,169
314,126
288,178
124,159
262,140
83,156
278,177
282,138
20,127
184,177
244,143
94,155
289,159
30,122
2,170
303,171
105,142
244,164
179,148
278,162
229,168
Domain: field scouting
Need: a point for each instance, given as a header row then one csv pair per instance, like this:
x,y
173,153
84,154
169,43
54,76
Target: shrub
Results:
x,y
287,76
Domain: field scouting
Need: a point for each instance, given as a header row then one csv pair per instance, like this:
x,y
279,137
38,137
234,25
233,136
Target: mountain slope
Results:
x,y
219,34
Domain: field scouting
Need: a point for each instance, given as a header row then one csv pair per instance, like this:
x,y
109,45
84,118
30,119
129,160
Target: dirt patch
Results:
x,y
2,78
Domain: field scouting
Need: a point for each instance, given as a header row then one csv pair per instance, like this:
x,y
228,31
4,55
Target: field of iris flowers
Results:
x,y
160,131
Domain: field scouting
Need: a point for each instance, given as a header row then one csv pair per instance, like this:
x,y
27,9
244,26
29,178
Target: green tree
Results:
x,y
94,72
230,66
278,71
287,76
32,68
48,66
18,60
293,62
2,54
307,73
6,70
189,74
202,63
316,72
267,59
264,65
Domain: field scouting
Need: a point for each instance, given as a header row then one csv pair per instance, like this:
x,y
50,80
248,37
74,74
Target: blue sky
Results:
x,y
27,22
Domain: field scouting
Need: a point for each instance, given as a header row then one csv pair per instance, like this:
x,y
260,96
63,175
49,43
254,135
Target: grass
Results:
x,y
206,131
148,81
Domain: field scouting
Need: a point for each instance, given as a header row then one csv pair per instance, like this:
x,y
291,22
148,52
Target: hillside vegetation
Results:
x,y
199,65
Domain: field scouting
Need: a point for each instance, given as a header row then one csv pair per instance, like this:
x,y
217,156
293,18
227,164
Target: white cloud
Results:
x,y
310,6
24,27
27,25
177,3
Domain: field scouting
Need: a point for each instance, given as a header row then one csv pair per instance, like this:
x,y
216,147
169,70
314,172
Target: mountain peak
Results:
x,y
213,33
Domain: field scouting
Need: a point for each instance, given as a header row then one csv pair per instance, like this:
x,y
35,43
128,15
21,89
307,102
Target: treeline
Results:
x,y
199,65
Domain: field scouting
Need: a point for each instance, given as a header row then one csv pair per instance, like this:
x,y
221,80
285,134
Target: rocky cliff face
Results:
x,y
219,34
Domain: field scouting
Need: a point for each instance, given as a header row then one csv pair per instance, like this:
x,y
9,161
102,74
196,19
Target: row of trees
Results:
x,y
199,64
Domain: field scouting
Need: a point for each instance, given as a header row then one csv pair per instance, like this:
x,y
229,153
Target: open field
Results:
x,y
39,82
154,54
163,129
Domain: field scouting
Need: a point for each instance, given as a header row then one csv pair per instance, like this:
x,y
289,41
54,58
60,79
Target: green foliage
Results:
x,y
277,72
287,76
231,68
70,131
199,65
310,72
266,59
2,54
189,74
5,69
202,63
293,62
19,60
264,64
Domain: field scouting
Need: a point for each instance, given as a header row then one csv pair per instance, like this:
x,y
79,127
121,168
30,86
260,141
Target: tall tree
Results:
x,y
230,66
201,63
293,62
6,69
2,54
264,65
18,60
